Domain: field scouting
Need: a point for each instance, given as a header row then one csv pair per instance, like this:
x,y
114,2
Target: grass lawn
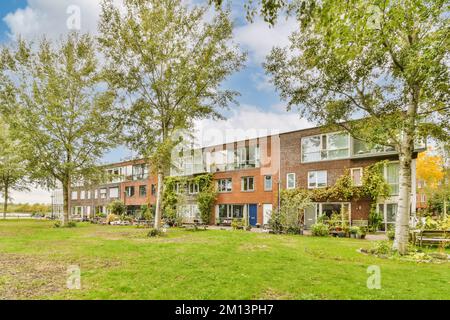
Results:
x,y
122,263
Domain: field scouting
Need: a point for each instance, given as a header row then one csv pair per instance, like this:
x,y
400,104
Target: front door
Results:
x,y
310,216
253,214
267,213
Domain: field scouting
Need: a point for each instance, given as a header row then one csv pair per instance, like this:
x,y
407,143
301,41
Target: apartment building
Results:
x,y
248,175
127,181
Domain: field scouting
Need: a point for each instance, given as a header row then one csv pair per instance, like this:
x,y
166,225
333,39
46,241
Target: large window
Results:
x,y
229,211
290,181
103,193
325,147
74,195
247,157
247,184
361,148
317,179
140,171
114,192
82,195
389,213
267,183
392,176
224,185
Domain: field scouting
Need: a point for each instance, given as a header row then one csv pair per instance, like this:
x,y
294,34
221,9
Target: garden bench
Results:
x,y
433,237
360,223
193,225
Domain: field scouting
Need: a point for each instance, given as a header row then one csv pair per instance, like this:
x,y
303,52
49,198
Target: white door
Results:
x,y
267,212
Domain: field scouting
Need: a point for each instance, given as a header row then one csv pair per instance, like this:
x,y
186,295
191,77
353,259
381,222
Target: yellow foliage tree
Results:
x,y
430,169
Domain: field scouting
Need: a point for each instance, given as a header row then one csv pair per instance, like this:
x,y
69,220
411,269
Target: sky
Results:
x,y
260,110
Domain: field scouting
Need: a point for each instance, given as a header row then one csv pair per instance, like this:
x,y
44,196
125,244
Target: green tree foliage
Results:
x,y
13,166
383,61
169,61
60,112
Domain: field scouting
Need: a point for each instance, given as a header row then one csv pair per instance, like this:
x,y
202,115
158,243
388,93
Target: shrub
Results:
x,y
390,233
57,224
320,230
117,207
71,224
382,247
236,224
275,222
111,217
155,233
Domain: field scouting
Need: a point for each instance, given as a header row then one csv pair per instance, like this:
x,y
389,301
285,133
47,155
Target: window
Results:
x,y
193,188
357,176
95,194
267,183
140,172
129,191
228,211
82,195
103,193
290,181
317,179
361,147
88,193
224,185
389,213
247,157
423,198
392,177
114,192
153,189
247,184
142,191
74,195
325,147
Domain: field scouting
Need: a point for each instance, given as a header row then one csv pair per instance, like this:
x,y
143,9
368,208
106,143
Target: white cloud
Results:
x,y
247,122
51,18
35,195
259,38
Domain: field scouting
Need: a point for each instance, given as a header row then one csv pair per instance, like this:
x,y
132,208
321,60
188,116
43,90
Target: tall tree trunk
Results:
x,y
159,192
404,203
405,156
5,204
66,208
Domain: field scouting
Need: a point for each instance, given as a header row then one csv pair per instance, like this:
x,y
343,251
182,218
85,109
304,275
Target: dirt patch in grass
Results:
x,y
254,247
273,294
28,277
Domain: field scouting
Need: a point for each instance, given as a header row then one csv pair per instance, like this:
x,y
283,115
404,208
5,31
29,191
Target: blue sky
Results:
x,y
260,108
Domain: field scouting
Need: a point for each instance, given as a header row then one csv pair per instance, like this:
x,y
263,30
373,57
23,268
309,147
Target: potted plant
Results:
x,y
354,231
362,233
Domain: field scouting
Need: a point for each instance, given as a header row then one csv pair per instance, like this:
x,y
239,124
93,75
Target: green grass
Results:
x,y
122,263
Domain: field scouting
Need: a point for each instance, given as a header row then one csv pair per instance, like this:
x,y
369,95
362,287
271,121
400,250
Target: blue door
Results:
x,y
252,214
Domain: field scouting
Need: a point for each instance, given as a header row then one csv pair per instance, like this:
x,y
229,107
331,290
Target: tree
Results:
x,y
170,63
62,113
13,167
430,168
384,62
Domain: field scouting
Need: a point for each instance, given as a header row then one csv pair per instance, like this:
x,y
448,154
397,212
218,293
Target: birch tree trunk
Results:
x,y
159,191
404,201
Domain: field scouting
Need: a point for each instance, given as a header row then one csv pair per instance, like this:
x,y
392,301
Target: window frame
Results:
x,y
316,186
247,179
326,150
360,177
224,183
287,180
271,182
